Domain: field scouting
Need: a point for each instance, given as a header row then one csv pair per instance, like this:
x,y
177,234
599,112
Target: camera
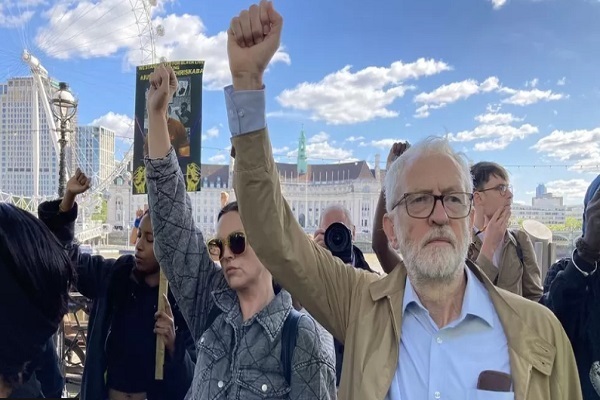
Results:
x,y
338,239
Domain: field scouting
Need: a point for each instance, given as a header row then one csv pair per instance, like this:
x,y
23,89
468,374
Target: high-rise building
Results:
x,y
95,152
23,119
540,191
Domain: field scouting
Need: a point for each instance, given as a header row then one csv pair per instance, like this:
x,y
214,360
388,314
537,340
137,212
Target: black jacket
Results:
x,y
575,300
102,280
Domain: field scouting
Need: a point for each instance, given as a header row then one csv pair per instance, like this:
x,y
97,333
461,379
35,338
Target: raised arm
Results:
x,y
318,280
387,256
178,245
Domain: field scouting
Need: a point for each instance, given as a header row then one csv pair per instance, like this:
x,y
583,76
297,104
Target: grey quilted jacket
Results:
x,y
235,359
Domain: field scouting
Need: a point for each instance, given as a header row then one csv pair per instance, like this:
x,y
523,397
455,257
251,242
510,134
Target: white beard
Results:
x,y
434,264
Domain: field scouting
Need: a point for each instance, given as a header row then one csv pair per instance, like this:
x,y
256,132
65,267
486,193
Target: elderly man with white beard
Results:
x,y
435,327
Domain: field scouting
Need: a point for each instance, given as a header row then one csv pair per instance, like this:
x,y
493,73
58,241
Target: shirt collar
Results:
x,y
271,318
476,302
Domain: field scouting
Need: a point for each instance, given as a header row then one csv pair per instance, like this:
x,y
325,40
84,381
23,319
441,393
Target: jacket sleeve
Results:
x,y
532,274
313,372
322,283
179,247
568,297
92,271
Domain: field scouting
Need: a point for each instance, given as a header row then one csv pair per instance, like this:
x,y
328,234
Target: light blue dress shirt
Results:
x,y
434,363
445,363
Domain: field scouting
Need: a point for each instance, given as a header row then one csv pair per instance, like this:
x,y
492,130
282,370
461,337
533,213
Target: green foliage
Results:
x,y
102,214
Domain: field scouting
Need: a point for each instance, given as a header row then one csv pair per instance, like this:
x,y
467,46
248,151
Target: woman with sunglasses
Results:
x,y
240,345
124,322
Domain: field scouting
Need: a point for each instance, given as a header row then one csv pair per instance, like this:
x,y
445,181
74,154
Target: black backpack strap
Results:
x,y
519,248
289,334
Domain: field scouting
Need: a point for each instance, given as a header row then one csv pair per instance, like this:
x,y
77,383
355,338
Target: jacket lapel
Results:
x,y
527,349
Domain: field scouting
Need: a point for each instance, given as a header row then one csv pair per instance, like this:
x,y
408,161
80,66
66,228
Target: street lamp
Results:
x,y
64,110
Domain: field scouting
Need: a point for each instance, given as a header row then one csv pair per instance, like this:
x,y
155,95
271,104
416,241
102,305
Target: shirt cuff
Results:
x,y
245,110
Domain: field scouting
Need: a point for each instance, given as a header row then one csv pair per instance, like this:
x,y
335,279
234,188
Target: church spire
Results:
x,y
302,164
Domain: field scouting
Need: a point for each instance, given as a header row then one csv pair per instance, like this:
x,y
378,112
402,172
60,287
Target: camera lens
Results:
x,y
338,238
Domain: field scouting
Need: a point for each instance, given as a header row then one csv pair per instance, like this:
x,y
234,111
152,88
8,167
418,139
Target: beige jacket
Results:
x,y
364,310
524,279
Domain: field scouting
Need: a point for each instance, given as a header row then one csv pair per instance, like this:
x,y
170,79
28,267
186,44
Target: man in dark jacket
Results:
x,y
124,324
572,292
337,214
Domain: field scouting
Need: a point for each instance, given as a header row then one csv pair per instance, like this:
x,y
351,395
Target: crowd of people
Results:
x,y
262,311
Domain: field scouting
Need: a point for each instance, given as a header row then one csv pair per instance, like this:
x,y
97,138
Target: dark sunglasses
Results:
x,y
236,242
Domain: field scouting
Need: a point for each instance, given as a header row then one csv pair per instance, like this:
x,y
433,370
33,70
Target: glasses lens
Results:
x,y
237,243
419,205
457,205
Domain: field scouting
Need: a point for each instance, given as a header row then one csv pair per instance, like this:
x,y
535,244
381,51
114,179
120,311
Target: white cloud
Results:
x,y
319,138
497,119
185,37
355,138
13,18
385,144
451,93
573,190
579,147
346,97
562,81
528,97
121,124
498,4
211,133
323,152
495,132
218,159
502,136
280,150
532,83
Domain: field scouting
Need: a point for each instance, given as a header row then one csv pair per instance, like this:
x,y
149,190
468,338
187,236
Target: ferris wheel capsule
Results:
x,y
160,31
152,2
163,59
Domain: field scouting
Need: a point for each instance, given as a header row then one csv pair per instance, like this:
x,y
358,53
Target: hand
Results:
x,y
592,223
78,184
139,213
319,237
163,84
252,39
165,326
396,151
495,231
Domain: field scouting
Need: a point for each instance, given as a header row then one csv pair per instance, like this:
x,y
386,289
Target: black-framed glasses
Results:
x,y
236,242
502,188
421,205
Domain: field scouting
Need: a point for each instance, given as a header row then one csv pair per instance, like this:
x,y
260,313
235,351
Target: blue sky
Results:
x,y
514,81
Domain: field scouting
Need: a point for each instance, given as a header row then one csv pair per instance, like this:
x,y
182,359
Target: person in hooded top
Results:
x,y
572,292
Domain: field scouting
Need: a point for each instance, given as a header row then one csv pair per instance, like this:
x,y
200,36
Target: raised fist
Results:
x,y
78,184
163,84
253,38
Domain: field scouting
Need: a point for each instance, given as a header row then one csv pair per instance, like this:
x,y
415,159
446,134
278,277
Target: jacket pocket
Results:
x,y
476,394
263,385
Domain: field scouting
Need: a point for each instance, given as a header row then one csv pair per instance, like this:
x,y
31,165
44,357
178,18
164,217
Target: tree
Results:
x,y
102,214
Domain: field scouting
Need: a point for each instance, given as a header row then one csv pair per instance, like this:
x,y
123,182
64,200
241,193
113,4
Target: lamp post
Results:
x,y
64,108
